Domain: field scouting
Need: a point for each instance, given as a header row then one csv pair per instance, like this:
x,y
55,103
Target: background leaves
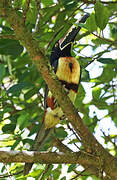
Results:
x,y
101,15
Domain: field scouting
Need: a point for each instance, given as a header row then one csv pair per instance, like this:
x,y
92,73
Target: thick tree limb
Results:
x,y
38,57
48,157
82,158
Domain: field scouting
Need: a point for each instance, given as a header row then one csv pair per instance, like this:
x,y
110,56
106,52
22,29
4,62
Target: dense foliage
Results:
x,y
22,86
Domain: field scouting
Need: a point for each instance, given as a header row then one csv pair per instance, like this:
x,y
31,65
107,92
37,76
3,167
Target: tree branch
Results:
x,y
9,175
48,157
5,36
58,144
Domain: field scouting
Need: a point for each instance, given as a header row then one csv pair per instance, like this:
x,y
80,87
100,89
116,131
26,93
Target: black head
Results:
x,y
62,48
58,52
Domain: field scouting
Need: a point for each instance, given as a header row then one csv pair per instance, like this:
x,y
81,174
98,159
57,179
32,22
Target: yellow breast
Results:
x,y
68,70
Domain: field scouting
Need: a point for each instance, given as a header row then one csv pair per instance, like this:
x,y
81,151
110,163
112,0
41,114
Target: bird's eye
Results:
x,y
56,44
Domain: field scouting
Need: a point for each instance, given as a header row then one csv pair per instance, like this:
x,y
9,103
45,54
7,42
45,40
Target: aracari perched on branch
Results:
x,y
68,71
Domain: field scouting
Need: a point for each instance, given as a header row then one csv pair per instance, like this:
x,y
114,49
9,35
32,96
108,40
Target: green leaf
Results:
x,y
50,11
80,96
101,15
9,128
93,123
30,93
106,60
29,141
108,73
2,72
113,29
17,4
83,60
114,117
60,16
48,173
85,75
96,92
32,15
6,30
71,167
17,88
112,7
35,129
21,61
35,173
56,173
7,109
99,41
16,143
47,3
73,141
60,133
23,120
63,178
69,4
91,24
10,47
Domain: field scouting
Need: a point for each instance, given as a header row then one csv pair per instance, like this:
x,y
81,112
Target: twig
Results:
x,y
71,129
108,138
9,175
5,36
62,148
51,40
26,9
105,39
38,15
80,174
41,101
73,13
44,172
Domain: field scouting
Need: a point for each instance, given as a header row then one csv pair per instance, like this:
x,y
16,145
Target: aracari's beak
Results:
x,y
71,34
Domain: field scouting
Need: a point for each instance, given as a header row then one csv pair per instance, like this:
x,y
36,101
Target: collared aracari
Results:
x,y
67,69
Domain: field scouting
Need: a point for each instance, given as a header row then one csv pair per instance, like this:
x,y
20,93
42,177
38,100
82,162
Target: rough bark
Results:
x,y
48,157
